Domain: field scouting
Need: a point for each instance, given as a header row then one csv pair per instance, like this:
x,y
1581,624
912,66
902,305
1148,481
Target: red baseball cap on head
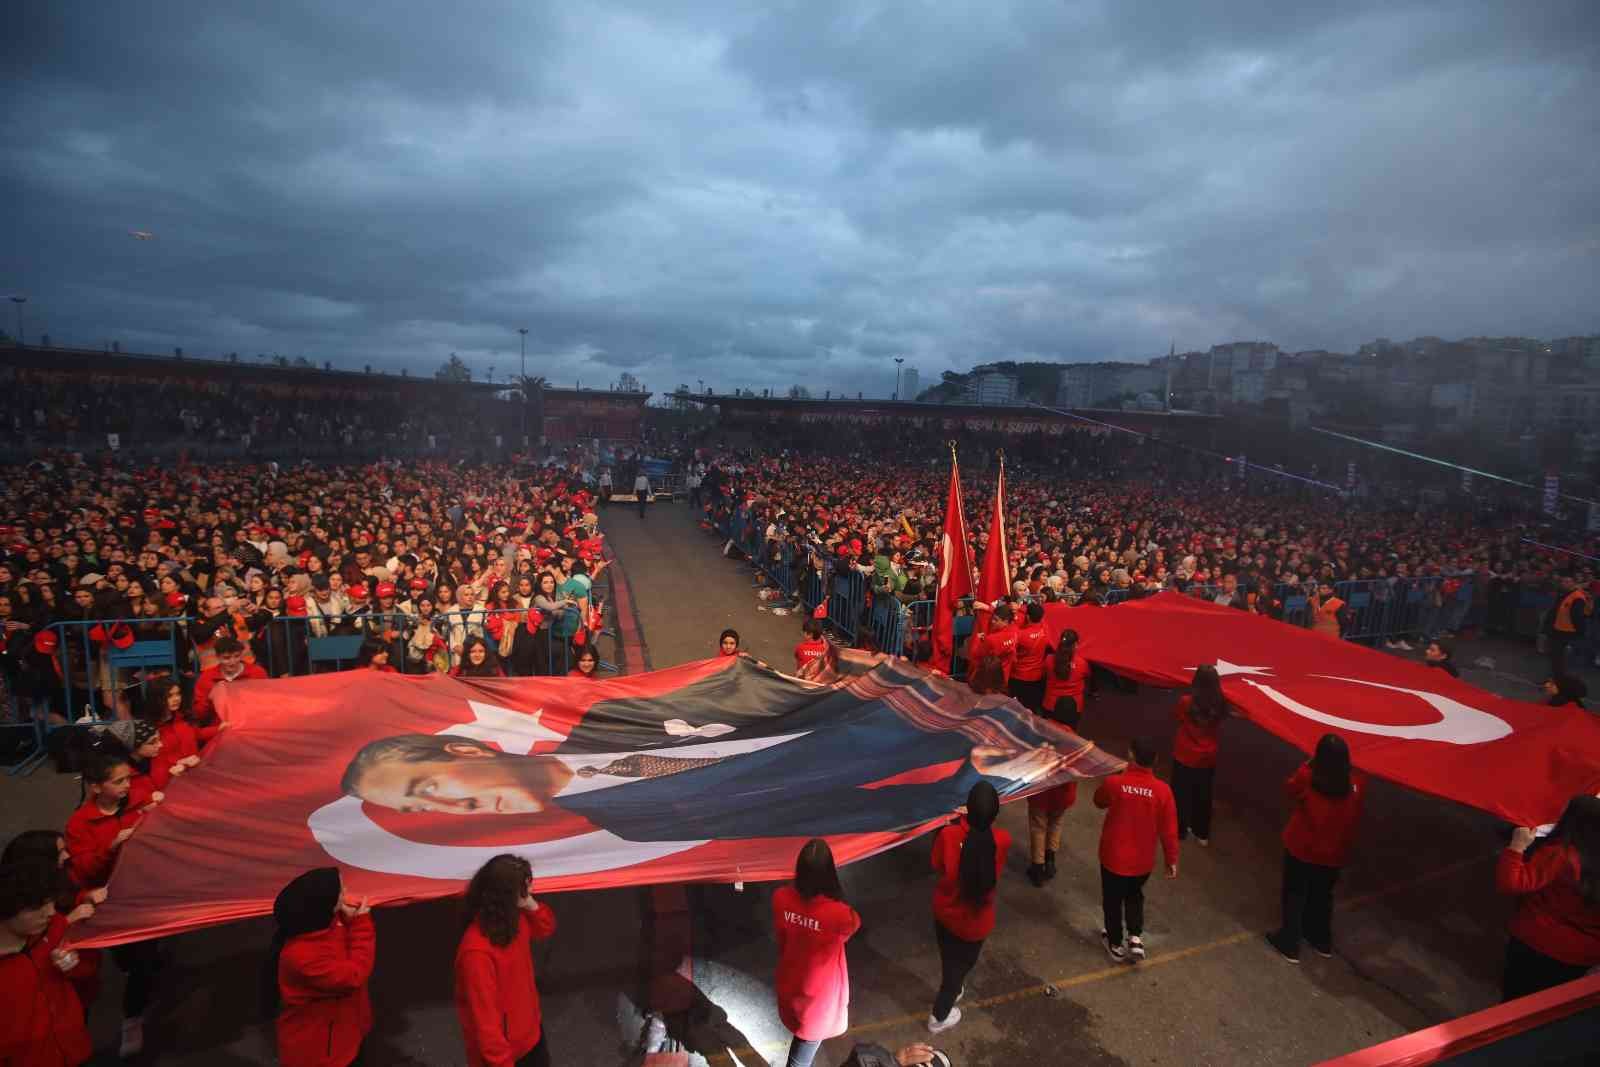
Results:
x,y
385,589
359,591
419,585
175,600
46,642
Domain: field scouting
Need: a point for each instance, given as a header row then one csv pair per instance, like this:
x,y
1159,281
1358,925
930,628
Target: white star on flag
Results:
x,y
1224,669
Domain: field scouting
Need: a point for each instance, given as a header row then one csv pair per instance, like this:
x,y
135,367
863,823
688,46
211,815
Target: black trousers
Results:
x,y
1558,643
642,502
538,1055
1122,895
1029,694
1529,970
1191,788
802,1053
1307,905
1065,712
139,961
956,960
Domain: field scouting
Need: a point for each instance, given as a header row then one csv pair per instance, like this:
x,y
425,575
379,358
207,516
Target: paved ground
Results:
x,y
1419,929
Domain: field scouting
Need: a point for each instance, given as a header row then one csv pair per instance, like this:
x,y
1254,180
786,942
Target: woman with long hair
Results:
x,y
987,676
813,922
1064,682
478,660
968,855
1199,713
497,998
1555,931
1326,797
317,971
587,665
166,706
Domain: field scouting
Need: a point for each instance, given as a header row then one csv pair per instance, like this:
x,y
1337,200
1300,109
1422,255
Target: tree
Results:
x,y
799,392
453,370
629,384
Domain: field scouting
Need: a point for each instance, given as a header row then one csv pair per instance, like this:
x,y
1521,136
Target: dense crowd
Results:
x,y
438,567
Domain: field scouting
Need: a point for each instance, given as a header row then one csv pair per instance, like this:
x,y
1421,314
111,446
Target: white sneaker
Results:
x,y
1117,953
132,1037
1136,948
1203,842
961,993
1403,644
938,1026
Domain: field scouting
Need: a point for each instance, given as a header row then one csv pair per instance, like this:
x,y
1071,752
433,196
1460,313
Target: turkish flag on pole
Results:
x,y
955,572
995,580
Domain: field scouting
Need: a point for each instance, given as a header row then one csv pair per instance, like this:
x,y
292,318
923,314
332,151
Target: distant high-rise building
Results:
x,y
990,387
910,384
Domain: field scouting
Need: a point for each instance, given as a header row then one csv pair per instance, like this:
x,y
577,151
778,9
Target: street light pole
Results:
x,y
523,330
897,361
19,301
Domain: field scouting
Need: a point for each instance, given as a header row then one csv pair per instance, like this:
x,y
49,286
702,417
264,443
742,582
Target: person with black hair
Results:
x,y
164,705
43,1020
1028,665
864,1055
1326,798
1554,934
1565,690
812,648
478,660
49,848
812,923
728,642
374,655
1200,713
1440,656
1046,810
1064,682
968,855
315,981
1139,810
497,998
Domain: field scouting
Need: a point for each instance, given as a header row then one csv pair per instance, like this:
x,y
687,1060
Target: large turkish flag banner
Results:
x,y
712,771
1403,721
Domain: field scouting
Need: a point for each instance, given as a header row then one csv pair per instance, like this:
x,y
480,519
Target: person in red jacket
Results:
x,y
1555,931
1194,752
230,667
317,971
180,743
1326,798
999,640
968,856
1045,812
813,648
1064,682
587,665
42,1024
1139,809
1028,663
813,922
497,1000
49,848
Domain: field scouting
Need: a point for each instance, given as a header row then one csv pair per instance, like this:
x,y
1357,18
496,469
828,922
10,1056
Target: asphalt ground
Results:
x,y
1418,927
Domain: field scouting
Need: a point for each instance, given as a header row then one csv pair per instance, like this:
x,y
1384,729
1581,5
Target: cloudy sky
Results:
x,y
767,194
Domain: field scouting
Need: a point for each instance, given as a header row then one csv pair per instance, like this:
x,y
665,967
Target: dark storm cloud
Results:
x,y
766,195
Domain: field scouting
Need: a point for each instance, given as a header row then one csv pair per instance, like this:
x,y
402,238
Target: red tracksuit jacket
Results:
x,y
813,983
496,998
322,989
808,651
89,835
1322,829
41,1021
179,740
1055,688
1196,744
1001,644
953,913
1139,809
1033,645
210,678
1551,917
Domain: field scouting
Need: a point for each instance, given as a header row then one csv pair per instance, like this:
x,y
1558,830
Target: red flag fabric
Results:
x,y
1403,721
712,771
994,582
955,572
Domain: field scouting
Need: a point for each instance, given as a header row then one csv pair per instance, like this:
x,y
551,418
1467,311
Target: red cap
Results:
x,y
46,642
175,600
358,591
385,589
419,585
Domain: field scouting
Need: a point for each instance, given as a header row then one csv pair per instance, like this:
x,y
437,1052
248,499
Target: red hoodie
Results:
x,y
1551,917
89,836
1196,743
204,710
1321,828
496,998
322,987
1140,809
42,1022
1033,645
813,983
952,912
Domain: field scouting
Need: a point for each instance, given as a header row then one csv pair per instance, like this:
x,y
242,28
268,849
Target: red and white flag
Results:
x,y
995,580
955,572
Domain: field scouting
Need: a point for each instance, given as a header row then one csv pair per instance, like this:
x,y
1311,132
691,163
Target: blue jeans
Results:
x,y
802,1052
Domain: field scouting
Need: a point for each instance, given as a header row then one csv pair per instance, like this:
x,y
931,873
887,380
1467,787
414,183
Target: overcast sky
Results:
x,y
692,191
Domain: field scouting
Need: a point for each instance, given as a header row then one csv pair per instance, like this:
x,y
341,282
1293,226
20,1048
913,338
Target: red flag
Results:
x,y
995,580
1403,721
955,572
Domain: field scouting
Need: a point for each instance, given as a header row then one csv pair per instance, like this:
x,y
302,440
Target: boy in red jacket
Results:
x,y
496,998
1140,809
230,667
42,1024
